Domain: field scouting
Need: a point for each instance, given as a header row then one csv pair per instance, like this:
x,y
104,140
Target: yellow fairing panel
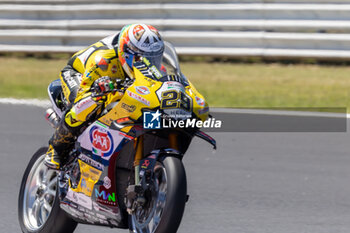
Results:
x,y
134,100
200,106
142,94
89,177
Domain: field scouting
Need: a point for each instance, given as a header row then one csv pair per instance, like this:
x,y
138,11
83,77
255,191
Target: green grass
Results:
x,y
223,84
271,85
27,77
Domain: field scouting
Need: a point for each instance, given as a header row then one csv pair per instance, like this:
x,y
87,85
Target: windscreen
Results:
x,y
170,63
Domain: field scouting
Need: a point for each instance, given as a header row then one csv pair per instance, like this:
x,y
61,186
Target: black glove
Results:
x,y
103,85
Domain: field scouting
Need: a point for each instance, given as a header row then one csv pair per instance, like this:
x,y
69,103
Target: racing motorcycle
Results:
x,y
125,170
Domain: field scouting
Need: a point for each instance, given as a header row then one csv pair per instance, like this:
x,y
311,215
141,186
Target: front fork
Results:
x,y
138,156
135,192
139,145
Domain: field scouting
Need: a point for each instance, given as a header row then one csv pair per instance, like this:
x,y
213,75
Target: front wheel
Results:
x,y
166,200
38,203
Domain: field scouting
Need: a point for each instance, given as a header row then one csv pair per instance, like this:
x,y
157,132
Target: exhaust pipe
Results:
x,y
52,118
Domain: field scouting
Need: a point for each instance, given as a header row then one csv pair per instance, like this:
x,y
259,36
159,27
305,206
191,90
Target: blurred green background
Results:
x,y
224,84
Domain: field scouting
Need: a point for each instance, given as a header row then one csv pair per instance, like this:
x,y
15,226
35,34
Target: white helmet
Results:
x,y
139,40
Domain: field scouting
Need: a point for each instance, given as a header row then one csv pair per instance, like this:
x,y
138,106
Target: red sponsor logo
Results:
x,y
142,90
145,164
138,98
101,140
83,103
200,101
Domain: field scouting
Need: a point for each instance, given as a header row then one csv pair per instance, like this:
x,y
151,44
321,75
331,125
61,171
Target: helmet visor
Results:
x,y
155,60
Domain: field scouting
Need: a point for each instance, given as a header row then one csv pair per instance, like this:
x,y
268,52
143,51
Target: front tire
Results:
x,y
38,203
170,199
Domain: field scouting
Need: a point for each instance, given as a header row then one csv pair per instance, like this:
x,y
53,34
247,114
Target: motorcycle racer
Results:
x,y
94,70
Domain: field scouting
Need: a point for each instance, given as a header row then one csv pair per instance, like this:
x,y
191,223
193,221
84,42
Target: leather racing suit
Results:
x,y
82,70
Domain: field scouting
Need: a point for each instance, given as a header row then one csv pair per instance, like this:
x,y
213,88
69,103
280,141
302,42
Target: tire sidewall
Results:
x,y
176,196
58,221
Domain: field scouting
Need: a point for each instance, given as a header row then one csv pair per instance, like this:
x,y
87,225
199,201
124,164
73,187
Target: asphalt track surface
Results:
x,y
254,183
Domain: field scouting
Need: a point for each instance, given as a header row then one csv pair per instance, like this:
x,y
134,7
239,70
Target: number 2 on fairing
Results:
x,y
175,99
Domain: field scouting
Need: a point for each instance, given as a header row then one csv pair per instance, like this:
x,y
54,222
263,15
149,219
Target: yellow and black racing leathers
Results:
x,y
77,78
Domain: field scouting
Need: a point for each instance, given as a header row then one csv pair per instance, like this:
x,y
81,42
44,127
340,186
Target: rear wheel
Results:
x,y
38,203
163,212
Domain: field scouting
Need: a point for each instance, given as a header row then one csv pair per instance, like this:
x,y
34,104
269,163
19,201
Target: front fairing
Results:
x,y
150,94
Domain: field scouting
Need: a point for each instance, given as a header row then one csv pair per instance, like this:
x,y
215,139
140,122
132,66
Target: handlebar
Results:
x,y
94,94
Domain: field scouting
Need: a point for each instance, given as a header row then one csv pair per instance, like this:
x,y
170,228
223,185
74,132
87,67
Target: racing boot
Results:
x,y
61,142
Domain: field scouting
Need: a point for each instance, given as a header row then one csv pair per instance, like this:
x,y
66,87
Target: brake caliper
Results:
x,y
135,194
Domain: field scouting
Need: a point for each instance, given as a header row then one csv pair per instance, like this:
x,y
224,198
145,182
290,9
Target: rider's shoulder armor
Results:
x,y
99,59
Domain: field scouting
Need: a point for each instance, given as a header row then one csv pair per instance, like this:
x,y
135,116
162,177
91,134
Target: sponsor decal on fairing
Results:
x,y
203,110
91,162
102,142
129,108
107,183
142,90
138,98
83,104
98,139
200,101
105,197
79,198
174,85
